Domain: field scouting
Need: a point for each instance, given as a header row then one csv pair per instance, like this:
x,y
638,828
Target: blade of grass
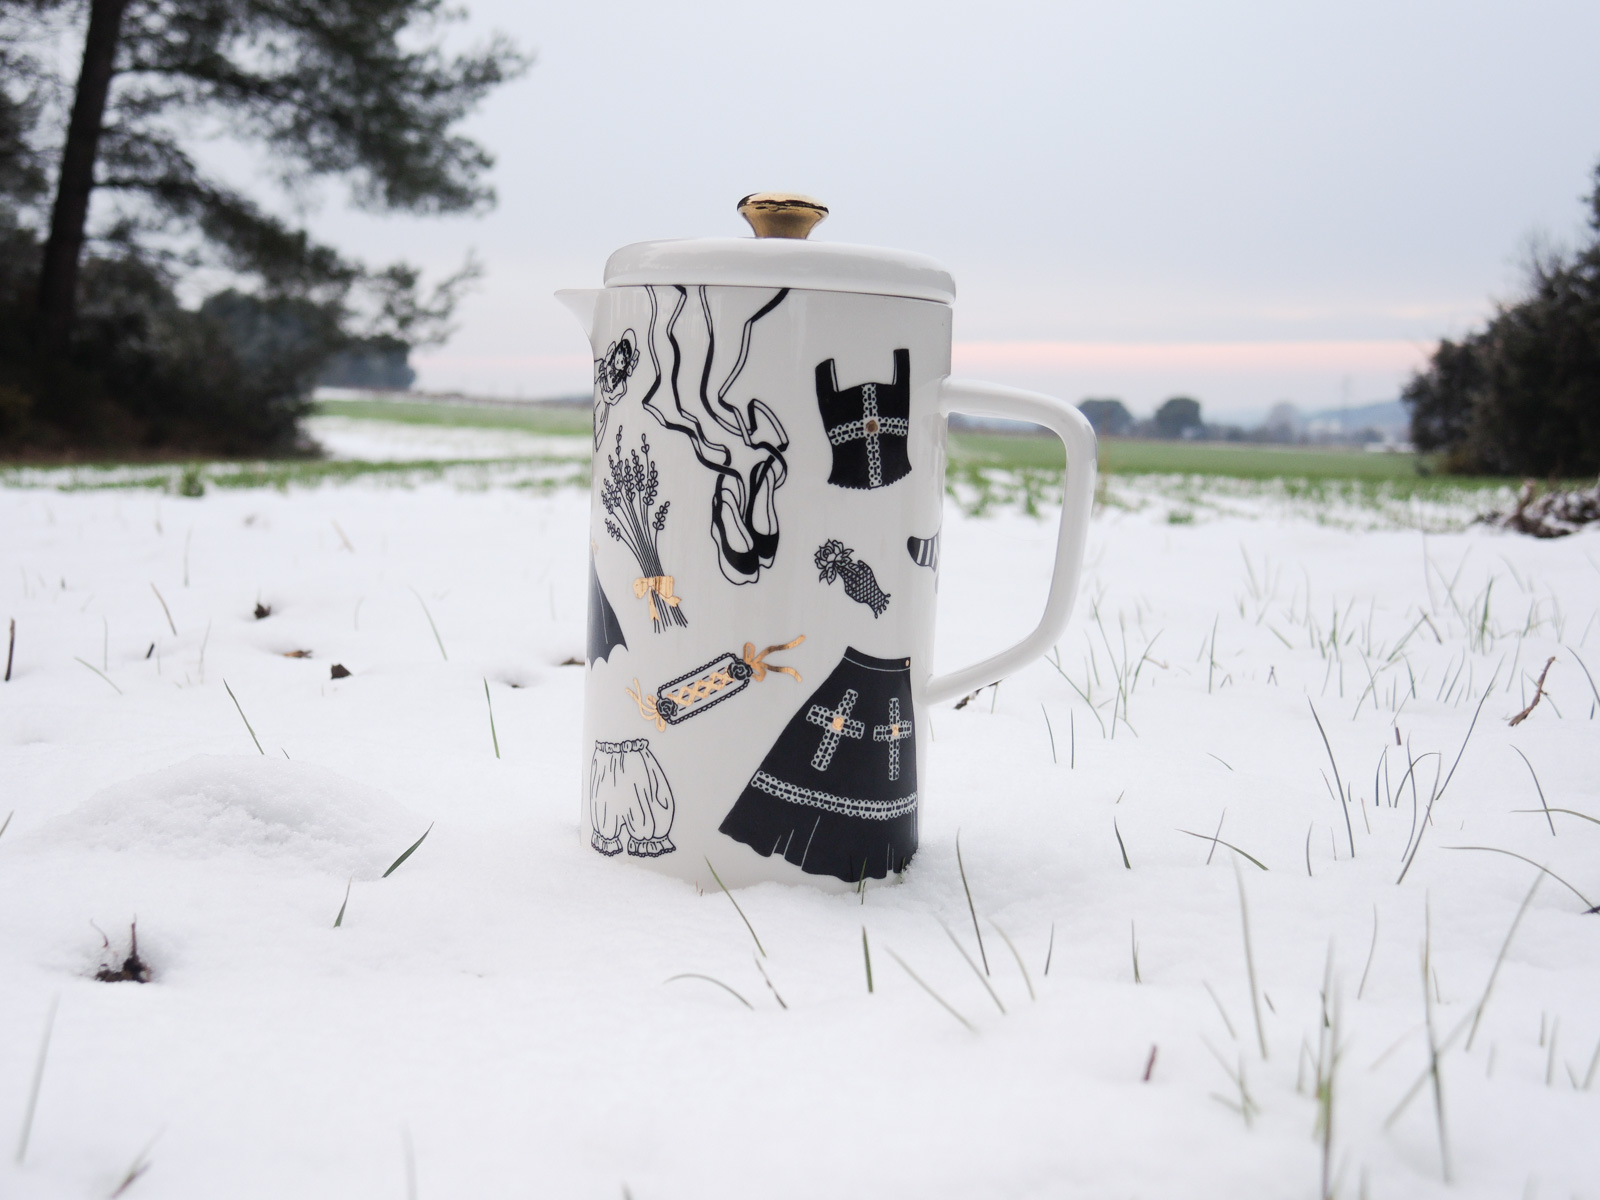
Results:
x,y
737,909
1569,812
1020,965
492,733
940,1000
971,908
38,1080
1206,837
767,979
1531,863
410,850
1373,949
246,721
1050,950
1250,964
1349,830
1052,734
431,625
718,982
6,824
98,672
1120,846
967,958
1545,803
164,608
1500,958
339,920
1432,800
866,953
11,648
1433,1045
1221,1012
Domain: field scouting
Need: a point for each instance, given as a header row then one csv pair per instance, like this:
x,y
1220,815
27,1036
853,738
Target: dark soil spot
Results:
x,y
297,654
571,662
263,611
133,968
339,671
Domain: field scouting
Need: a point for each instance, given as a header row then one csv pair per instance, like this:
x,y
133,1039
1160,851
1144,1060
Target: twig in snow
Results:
x,y
1538,694
1150,1064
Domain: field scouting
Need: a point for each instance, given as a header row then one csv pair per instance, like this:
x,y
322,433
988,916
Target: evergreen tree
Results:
x,y
355,90
1522,397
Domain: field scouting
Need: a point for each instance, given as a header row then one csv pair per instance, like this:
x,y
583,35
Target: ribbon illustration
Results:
x,y
706,686
653,586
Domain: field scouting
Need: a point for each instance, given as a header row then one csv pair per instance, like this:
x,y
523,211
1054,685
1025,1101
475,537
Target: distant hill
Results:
x,y
1386,416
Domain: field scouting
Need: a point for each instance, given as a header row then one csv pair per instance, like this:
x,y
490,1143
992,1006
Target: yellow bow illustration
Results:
x,y
653,586
757,662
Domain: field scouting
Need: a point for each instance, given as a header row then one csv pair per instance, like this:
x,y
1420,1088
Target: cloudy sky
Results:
x,y
1247,202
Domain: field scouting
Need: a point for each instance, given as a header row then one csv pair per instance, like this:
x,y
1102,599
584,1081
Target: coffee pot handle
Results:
x,y
1068,424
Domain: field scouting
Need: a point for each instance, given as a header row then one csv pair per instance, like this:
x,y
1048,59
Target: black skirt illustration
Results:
x,y
837,793
867,425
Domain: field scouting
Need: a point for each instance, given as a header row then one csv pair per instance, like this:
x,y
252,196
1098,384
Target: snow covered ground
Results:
x,y
495,1017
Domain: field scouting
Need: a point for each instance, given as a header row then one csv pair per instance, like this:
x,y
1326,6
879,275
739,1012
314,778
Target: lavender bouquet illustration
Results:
x,y
629,496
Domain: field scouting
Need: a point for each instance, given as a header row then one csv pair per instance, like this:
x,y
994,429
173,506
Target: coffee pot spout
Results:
x,y
582,303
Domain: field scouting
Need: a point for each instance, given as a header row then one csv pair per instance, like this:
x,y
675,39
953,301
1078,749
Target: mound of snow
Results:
x,y
218,804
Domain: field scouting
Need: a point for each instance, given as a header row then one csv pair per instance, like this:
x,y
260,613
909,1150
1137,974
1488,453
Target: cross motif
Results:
x,y
895,732
836,723
870,429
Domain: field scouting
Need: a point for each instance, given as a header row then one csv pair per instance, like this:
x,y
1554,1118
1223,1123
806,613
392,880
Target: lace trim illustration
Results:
x,y
705,687
872,810
750,466
629,494
834,560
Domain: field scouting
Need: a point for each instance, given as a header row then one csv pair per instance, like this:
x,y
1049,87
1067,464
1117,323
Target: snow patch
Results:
x,y
217,804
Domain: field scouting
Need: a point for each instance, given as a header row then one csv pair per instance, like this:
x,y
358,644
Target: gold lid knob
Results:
x,y
782,214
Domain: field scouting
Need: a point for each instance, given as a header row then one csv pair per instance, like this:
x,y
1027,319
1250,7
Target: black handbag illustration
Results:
x,y
867,425
837,793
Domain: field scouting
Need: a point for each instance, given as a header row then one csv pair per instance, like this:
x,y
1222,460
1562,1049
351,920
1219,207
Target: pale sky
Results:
x,y
1246,202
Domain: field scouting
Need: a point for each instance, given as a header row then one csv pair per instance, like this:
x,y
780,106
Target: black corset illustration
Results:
x,y
867,425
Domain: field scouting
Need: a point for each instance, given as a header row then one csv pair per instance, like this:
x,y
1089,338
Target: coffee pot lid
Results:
x,y
779,255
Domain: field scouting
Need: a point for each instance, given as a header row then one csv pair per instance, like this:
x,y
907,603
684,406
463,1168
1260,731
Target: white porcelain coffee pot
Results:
x,y
768,492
